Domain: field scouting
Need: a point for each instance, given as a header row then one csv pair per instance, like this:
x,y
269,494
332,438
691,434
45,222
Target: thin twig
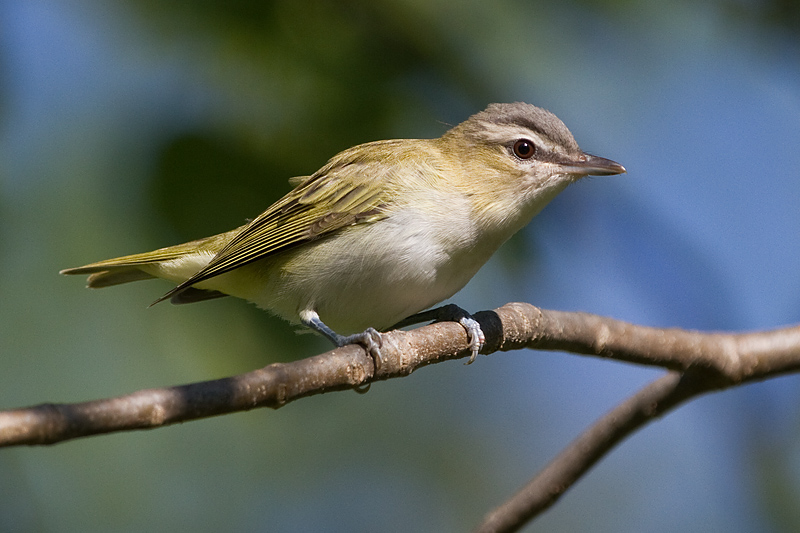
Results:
x,y
575,460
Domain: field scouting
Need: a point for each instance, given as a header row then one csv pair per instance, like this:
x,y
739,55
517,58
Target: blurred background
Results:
x,y
131,125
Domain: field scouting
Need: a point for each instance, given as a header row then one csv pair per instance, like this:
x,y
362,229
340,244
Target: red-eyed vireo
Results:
x,y
383,231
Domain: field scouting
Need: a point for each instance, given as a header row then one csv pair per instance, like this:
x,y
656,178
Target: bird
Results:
x,y
382,232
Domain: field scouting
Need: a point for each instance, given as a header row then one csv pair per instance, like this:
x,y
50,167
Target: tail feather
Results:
x,y
123,269
139,266
107,278
146,258
191,295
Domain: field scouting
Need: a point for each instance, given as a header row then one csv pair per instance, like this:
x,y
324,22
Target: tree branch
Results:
x,y
726,359
699,362
576,459
708,361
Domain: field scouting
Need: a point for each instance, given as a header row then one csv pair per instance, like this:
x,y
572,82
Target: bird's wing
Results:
x,y
338,195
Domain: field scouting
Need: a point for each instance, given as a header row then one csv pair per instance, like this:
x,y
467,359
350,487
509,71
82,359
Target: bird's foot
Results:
x,y
451,313
370,338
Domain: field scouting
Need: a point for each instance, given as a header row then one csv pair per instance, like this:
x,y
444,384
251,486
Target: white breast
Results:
x,y
369,275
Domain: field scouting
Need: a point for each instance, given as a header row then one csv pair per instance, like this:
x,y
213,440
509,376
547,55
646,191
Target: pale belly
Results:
x,y
352,285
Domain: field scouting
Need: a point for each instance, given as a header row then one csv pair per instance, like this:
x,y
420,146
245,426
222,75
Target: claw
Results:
x,y
454,313
475,336
370,338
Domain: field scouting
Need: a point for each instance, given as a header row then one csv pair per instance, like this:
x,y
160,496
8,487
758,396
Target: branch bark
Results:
x,y
660,396
698,363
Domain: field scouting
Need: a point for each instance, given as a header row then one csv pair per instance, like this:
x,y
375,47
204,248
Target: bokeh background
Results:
x,y
131,125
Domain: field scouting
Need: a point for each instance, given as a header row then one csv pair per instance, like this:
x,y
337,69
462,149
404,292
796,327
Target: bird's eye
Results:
x,y
524,149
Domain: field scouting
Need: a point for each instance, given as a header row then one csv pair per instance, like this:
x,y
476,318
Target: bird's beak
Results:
x,y
591,165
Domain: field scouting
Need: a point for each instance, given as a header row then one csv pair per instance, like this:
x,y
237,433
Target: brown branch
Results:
x,y
567,467
732,357
272,386
700,362
727,359
709,361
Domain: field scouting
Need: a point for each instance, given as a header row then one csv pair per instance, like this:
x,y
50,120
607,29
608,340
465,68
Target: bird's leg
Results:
x,y
453,313
370,338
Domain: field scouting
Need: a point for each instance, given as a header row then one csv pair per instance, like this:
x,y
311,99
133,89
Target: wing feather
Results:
x,y
336,196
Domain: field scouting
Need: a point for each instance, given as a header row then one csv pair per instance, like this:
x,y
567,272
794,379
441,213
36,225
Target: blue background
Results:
x,y
134,125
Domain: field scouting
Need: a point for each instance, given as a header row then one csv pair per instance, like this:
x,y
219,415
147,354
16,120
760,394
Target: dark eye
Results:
x,y
524,149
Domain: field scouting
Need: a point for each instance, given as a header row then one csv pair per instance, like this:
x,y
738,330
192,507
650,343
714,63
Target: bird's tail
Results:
x,y
149,265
